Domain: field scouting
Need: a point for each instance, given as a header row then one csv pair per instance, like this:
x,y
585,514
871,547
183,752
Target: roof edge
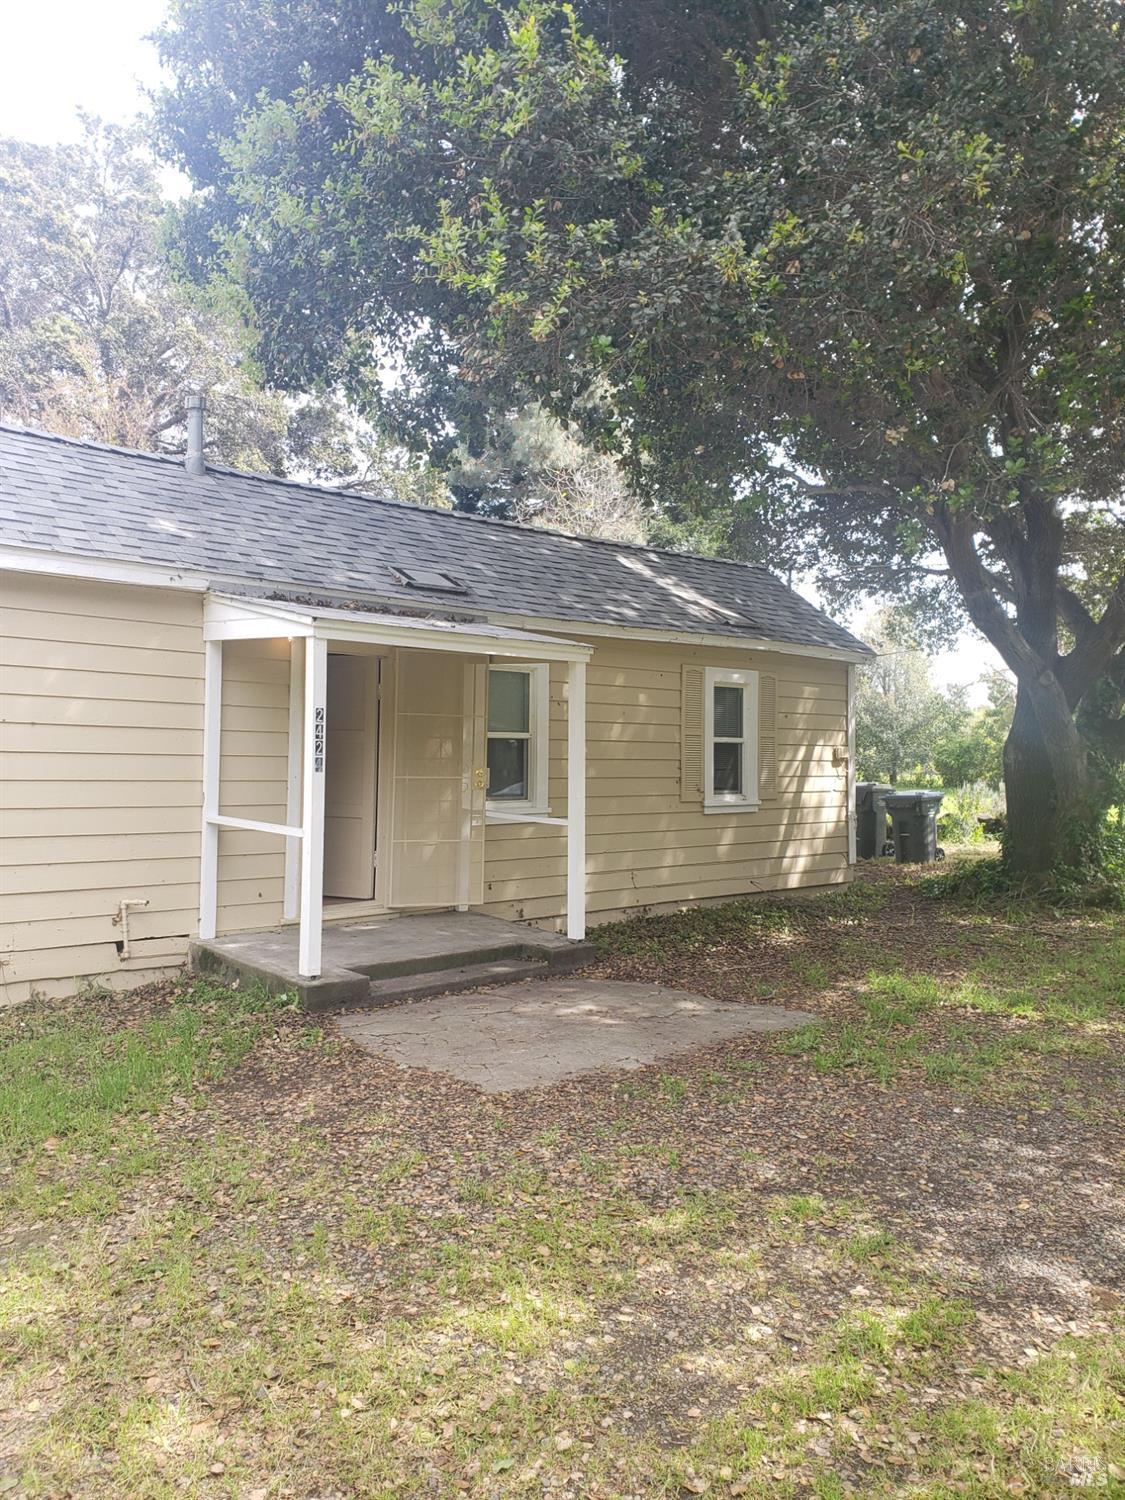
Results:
x,y
50,562
370,496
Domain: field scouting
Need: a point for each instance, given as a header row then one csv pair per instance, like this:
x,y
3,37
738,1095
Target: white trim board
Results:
x,y
231,619
99,570
747,799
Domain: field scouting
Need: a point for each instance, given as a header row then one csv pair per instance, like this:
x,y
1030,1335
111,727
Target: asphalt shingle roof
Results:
x,y
92,501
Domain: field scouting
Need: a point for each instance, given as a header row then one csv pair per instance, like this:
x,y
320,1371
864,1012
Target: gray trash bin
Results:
x,y
871,833
914,826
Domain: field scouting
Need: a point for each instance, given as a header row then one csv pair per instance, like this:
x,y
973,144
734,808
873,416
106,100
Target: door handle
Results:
x,y
480,778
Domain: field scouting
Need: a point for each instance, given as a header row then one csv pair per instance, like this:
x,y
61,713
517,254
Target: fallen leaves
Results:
x,y
583,1290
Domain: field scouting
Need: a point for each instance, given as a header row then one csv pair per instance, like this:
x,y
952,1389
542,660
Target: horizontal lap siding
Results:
x,y
101,726
101,737
254,770
644,846
100,785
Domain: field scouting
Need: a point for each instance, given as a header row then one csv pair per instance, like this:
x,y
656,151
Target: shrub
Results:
x,y
1094,875
962,809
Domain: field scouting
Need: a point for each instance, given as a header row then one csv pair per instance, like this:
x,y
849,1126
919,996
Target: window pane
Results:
x,y
508,702
728,713
507,768
728,768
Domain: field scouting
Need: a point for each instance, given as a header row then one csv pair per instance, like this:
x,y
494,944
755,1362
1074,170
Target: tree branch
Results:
x,y
1094,648
978,590
1075,614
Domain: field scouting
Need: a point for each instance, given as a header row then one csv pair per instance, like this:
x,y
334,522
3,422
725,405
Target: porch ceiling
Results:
x,y
234,617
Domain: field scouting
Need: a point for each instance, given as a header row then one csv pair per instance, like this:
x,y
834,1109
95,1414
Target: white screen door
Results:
x,y
437,838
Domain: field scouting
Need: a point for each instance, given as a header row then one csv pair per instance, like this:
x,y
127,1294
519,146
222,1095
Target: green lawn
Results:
x,y
240,1258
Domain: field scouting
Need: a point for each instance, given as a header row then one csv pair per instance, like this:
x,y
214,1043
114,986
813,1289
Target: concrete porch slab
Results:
x,y
544,1030
355,953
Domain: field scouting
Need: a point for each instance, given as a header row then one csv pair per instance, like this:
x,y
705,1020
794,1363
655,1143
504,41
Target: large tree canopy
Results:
x,y
100,339
850,275
97,339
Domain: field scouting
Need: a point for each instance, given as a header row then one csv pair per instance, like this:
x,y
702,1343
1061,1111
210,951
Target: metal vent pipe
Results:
x,y
193,458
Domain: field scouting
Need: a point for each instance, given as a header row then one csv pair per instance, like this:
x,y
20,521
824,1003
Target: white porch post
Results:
x,y
212,745
294,785
312,817
576,801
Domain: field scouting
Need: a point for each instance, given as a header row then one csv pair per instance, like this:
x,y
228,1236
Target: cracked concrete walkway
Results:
x,y
544,1030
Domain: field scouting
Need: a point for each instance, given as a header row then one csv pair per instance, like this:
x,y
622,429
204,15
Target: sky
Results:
x,y
63,56
60,56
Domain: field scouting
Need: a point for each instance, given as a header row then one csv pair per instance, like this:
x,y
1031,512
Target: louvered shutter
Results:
x,y
767,736
691,734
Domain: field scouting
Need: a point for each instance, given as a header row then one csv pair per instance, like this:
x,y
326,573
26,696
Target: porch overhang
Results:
x,y
231,617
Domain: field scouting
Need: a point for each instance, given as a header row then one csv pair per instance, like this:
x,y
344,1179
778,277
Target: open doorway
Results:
x,y
351,776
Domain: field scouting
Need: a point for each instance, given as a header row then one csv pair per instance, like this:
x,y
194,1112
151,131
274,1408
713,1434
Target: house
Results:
x,y
233,702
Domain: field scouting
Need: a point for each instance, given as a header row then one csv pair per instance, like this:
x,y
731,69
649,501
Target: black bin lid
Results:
x,y
909,799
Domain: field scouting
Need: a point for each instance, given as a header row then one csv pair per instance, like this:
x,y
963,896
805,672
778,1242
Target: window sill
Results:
x,y
731,807
521,815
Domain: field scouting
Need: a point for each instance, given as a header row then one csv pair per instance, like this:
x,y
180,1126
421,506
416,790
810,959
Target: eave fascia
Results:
x,y
158,575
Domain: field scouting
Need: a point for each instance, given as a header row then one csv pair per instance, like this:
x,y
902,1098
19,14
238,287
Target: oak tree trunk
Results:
x,y
1046,780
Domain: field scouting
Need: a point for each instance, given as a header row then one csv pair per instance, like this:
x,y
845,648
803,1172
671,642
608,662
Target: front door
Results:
x,y
351,753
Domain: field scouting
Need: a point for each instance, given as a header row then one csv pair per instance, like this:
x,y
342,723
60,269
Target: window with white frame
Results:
x,y
730,729
518,713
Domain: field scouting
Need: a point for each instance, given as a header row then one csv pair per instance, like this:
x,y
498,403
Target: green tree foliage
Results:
x,y
97,339
902,719
328,445
910,732
972,748
100,339
847,276
539,472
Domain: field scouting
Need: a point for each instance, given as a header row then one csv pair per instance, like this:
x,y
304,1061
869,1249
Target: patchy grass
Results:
x,y
1060,1004
66,1076
78,1092
985,999
240,1259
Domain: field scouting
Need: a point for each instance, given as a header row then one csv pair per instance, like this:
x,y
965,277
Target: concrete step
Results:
x,y
415,955
389,964
398,987
571,955
559,957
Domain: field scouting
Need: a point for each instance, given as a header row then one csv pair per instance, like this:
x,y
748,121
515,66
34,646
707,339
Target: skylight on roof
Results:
x,y
428,579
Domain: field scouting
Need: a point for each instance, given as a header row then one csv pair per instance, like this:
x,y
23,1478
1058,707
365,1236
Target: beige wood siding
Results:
x,y
252,782
101,713
101,710
101,723
645,846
